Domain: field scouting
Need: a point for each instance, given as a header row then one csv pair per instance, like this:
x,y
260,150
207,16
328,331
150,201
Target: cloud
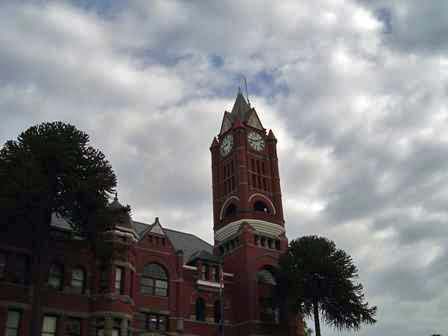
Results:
x,y
355,92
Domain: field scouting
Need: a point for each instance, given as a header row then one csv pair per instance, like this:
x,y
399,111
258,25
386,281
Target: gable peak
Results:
x,y
157,228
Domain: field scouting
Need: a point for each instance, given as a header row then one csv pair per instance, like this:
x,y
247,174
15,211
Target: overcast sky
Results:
x,y
356,92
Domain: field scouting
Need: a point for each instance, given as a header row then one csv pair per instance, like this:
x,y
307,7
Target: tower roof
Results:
x,y
240,108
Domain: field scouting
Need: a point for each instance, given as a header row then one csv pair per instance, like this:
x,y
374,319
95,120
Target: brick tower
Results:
x,y
248,217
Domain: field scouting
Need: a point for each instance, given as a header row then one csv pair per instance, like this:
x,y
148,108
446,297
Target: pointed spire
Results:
x,y
214,143
240,107
271,136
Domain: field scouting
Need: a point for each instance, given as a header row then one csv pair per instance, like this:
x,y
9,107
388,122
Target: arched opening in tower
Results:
x,y
230,210
261,207
268,305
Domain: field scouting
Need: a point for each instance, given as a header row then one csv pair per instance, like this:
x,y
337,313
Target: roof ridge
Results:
x,y
172,230
190,234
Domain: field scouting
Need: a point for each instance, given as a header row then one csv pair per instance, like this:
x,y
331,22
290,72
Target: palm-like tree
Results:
x,y
318,279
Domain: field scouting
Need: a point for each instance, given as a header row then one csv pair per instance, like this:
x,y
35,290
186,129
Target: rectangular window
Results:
x,y
147,285
204,272
131,289
100,327
119,280
277,245
163,325
73,327
77,282
13,323
215,274
104,279
116,330
49,326
21,269
56,276
2,265
161,288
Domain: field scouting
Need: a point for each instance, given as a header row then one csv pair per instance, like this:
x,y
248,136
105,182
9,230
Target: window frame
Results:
x,y
16,328
82,281
58,276
68,332
50,333
154,285
21,269
119,281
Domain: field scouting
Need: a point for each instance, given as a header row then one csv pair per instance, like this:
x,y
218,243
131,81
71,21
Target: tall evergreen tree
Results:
x,y
317,278
49,169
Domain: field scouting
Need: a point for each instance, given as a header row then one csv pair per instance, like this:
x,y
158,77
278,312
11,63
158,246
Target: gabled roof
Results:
x,y
187,242
253,120
226,123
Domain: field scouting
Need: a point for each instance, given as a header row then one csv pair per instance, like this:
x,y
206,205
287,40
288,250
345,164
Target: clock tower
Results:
x,y
246,182
248,219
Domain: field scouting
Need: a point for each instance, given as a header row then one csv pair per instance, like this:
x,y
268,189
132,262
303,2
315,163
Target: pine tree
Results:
x,y
50,169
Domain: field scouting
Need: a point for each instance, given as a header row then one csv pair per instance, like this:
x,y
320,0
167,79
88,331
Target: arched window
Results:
x,y
230,210
269,311
265,276
200,309
56,276
78,280
154,280
261,206
217,311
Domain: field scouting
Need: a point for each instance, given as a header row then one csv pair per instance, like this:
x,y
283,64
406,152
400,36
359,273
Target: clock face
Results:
x,y
226,145
256,141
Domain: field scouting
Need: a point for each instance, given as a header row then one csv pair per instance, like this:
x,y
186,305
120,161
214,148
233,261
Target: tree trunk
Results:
x,y
40,239
316,317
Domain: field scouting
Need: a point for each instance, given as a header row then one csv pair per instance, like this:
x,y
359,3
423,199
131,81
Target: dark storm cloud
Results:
x,y
355,92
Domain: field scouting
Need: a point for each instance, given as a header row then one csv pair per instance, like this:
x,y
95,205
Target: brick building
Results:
x,y
156,281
